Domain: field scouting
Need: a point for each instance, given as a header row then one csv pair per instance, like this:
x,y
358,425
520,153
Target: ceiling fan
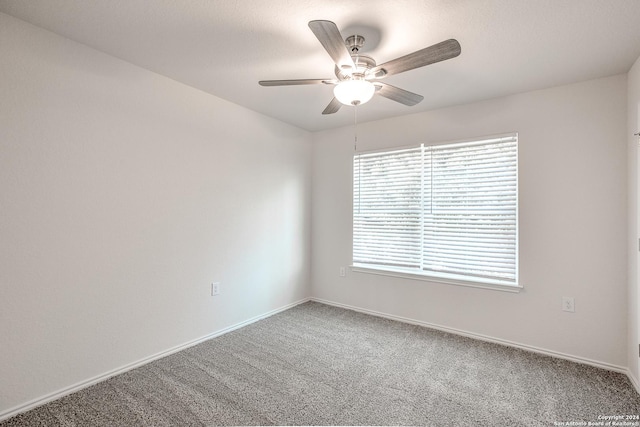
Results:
x,y
358,76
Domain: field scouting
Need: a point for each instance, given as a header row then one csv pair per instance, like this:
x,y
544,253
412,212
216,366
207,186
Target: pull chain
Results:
x,y
355,128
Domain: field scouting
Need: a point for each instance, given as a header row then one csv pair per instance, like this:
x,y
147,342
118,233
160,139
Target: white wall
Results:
x,y
633,120
123,194
573,221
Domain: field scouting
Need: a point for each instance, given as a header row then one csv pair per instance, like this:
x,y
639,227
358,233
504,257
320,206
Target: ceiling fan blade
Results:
x,y
399,95
295,82
429,55
329,36
333,107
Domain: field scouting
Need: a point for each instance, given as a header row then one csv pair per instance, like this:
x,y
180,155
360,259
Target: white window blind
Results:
x,y
443,210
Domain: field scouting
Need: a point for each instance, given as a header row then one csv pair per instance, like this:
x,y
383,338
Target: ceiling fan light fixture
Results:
x,y
354,92
357,74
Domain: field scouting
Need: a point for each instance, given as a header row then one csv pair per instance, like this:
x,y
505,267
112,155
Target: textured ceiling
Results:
x,y
224,47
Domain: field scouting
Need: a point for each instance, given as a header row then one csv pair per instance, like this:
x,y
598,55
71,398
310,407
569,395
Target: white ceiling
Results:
x,y
225,46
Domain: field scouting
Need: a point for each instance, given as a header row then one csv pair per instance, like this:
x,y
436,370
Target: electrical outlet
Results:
x,y
343,271
568,304
215,289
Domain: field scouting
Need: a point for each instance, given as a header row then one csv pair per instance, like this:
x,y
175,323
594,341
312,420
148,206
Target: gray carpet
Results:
x,y
319,365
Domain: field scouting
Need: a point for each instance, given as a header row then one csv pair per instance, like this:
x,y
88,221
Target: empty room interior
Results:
x,y
319,213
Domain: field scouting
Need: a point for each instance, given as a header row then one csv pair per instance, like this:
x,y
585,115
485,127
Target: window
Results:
x,y
445,211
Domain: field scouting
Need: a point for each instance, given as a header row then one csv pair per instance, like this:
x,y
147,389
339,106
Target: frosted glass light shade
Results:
x,y
354,92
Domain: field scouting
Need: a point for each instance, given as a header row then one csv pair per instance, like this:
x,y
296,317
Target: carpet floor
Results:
x,y
316,364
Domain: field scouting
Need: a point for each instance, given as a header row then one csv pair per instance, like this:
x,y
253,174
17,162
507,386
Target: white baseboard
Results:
x,y
487,338
91,381
634,381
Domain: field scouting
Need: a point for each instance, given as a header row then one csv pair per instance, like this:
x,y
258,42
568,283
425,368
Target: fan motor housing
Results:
x,y
363,62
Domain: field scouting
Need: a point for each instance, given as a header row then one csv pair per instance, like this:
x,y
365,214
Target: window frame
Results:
x,y
443,277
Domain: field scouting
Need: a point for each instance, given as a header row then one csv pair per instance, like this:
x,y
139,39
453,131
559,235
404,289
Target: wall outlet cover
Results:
x,y
215,289
568,304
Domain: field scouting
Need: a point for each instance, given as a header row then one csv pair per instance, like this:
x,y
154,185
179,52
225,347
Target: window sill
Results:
x,y
449,279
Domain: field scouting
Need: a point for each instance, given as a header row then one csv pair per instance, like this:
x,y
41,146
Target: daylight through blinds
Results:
x,y
445,209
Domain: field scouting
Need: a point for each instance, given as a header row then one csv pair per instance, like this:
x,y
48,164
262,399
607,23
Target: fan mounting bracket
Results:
x,y
354,43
